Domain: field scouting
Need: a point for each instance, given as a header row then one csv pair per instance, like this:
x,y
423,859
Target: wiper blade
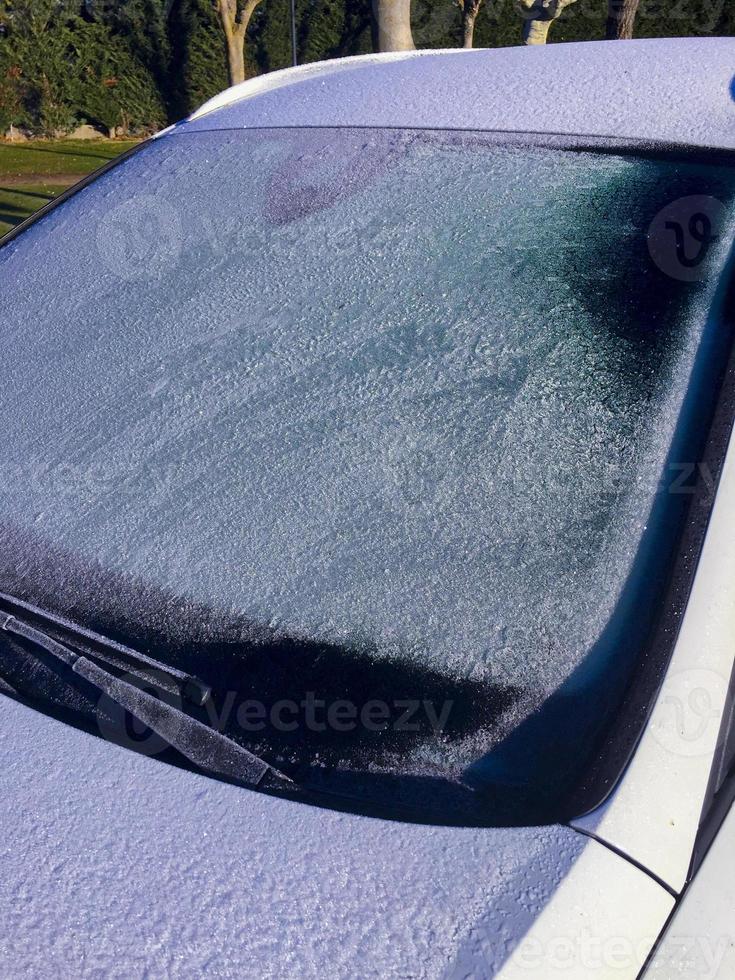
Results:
x,y
207,748
190,687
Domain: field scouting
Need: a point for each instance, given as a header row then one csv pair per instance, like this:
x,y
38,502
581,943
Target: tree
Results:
x,y
143,26
124,60
538,16
621,19
235,16
198,55
393,20
62,63
11,106
39,35
470,9
114,88
326,29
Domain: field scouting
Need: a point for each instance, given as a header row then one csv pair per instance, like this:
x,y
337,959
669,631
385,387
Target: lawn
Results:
x,y
17,202
33,173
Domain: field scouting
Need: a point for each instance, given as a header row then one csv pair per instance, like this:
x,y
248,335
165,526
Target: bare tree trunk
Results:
x,y
535,31
236,58
621,19
393,19
538,16
470,9
468,30
235,16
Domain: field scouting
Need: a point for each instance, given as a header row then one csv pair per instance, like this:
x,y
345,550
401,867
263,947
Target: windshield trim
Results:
x,y
609,762
606,145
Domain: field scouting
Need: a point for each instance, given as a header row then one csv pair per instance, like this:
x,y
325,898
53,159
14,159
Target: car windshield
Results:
x,y
377,432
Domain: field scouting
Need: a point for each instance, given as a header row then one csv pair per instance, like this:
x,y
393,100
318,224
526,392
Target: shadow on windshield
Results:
x,y
272,693
576,745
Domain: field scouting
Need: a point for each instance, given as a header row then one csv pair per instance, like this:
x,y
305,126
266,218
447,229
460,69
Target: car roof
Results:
x,y
679,90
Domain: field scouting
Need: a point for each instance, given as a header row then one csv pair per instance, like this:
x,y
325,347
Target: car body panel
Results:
x,y
125,865
655,811
676,90
128,867
603,921
699,943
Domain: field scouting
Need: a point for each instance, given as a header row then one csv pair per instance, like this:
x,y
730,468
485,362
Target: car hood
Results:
x,y
124,865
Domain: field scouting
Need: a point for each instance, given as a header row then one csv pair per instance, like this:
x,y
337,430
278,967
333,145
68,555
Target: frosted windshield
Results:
x,y
406,398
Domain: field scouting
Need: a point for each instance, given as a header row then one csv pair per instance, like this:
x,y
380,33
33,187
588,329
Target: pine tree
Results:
x,y
143,25
38,51
272,33
333,29
115,88
198,58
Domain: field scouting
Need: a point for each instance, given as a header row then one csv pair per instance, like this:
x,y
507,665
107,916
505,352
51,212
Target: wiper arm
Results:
x,y
190,687
207,748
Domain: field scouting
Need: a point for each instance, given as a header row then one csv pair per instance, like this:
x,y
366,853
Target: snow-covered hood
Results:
x,y
117,865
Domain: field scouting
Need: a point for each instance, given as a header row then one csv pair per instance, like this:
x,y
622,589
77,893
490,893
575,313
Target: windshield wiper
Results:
x,y
205,747
188,686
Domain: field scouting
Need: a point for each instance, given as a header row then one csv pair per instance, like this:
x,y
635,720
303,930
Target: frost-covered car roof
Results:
x,y
678,90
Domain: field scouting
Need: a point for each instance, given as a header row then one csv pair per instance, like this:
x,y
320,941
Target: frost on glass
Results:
x,y
407,398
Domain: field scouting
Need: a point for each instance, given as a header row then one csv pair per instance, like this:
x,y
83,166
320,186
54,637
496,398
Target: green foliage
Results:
x,y
333,29
198,53
64,63
36,50
11,108
499,24
436,25
136,64
141,27
271,28
115,89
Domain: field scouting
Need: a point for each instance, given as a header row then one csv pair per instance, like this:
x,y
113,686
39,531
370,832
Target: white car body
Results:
x,y
117,865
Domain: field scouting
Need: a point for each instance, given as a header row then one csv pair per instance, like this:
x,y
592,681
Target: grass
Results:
x,y
33,173
16,203
44,158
